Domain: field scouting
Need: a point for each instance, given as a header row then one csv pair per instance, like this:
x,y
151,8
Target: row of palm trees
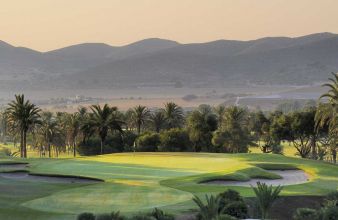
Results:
x,y
64,129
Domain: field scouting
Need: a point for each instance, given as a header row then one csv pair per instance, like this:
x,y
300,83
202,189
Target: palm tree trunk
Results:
x,y
49,151
24,144
74,148
138,129
313,147
334,156
21,144
101,146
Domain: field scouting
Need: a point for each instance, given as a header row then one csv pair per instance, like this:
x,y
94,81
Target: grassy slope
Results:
x,y
141,181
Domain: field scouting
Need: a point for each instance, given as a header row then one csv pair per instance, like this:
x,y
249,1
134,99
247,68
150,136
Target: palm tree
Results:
x,y
173,115
140,116
210,210
234,117
327,114
22,115
102,120
49,129
74,128
266,196
232,135
200,125
158,120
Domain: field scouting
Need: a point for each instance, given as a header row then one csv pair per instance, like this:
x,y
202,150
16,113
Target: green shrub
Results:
x,y
330,213
225,217
129,139
142,217
332,196
266,196
277,149
236,209
158,214
148,142
210,210
174,140
306,214
86,216
113,143
116,216
230,195
103,217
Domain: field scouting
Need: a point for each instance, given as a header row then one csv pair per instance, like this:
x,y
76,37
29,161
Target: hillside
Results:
x,y
303,60
153,62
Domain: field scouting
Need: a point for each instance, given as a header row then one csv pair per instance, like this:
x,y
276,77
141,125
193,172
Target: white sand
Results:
x,y
25,176
289,177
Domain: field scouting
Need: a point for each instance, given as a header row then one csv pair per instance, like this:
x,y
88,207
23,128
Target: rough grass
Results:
x,y
141,181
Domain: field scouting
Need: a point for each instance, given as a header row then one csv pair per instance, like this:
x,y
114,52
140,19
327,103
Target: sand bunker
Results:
x,y
25,176
289,177
13,166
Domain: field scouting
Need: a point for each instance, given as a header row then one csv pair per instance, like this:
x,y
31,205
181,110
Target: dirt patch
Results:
x,y
289,177
26,176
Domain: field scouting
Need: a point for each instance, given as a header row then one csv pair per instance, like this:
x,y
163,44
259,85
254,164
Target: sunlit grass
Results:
x,y
141,181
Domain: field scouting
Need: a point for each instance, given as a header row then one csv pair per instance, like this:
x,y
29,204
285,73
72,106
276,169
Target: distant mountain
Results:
x,y
25,67
300,60
149,62
87,55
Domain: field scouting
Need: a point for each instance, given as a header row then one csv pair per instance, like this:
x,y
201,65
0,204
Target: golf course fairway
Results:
x,y
138,182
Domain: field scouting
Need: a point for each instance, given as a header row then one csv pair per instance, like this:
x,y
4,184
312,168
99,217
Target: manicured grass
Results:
x,y
141,181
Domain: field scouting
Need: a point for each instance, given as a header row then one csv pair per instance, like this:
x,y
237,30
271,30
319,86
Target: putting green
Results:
x,y
141,181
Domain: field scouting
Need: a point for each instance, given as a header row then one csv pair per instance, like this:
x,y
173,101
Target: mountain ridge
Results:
x,y
300,60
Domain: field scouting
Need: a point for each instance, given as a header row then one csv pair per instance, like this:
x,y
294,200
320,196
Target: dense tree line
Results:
x,y
313,130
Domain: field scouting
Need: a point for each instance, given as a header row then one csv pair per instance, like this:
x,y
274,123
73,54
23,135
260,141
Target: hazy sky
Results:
x,y
50,24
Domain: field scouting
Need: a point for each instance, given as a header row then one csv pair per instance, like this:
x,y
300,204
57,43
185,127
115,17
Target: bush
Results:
x,y
142,217
306,214
86,216
225,217
237,209
332,196
158,214
129,139
230,195
113,143
116,216
148,142
103,217
330,213
174,140
277,149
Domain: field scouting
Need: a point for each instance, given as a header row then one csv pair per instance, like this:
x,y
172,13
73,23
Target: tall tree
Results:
x,y
302,132
140,116
173,115
22,115
49,129
102,120
74,126
232,135
200,124
157,120
327,114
